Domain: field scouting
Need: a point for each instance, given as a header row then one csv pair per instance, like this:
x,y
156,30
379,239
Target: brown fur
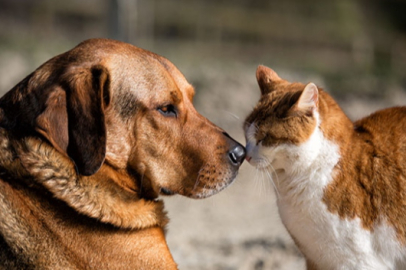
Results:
x,y
87,143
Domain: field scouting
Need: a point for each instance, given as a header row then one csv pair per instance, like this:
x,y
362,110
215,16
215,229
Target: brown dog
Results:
x,y
87,143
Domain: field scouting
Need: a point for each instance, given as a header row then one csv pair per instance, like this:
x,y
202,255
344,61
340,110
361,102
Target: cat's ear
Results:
x,y
266,78
308,100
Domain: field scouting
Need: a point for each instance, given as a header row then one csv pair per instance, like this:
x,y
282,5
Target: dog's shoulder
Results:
x,y
45,205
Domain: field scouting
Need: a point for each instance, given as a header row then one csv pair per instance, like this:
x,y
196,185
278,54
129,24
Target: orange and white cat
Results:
x,y
341,185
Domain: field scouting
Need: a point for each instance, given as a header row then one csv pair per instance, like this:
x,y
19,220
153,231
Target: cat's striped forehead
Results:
x,y
277,102
274,104
273,119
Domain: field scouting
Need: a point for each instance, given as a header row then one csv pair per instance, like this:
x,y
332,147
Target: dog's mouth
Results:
x,y
209,183
205,186
166,191
212,189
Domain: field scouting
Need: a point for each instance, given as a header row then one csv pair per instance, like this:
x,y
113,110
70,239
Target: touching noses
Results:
x,y
237,152
237,155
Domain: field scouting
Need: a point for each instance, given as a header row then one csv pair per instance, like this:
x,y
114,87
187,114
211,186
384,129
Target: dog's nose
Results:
x,y
237,155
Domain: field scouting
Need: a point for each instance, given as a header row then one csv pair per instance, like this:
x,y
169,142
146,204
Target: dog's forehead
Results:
x,y
134,73
180,81
147,74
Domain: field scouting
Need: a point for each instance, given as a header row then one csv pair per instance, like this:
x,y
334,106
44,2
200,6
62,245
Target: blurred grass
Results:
x,y
352,48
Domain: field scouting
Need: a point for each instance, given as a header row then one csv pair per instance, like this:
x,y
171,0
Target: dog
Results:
x,y
88,142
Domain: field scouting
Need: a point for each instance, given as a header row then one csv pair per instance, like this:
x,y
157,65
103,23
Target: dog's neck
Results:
x,y
97,196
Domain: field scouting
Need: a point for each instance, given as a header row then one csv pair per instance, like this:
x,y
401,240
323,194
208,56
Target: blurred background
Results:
x,y
356,50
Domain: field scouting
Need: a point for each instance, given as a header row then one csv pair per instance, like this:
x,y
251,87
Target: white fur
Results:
x,y
301,173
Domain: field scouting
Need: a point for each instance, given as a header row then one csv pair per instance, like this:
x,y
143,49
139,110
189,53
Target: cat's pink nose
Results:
x,y
248,158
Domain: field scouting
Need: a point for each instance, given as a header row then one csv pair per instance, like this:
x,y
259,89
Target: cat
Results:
x,y
341,185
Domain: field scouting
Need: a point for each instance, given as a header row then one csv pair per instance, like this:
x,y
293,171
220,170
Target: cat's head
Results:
x,y
285,117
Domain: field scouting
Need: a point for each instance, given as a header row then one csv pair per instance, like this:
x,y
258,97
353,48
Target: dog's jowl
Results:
x,y
88,142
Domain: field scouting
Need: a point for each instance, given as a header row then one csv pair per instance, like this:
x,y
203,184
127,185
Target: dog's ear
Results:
x,y
73,119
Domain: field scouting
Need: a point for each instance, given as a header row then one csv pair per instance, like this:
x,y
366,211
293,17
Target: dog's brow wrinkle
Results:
x,y
176,98
126,103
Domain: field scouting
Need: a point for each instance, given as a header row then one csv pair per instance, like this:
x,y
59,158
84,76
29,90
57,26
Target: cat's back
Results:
x,y
388,122
383,134
372,174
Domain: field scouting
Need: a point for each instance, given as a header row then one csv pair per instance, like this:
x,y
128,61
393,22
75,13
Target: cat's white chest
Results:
x,y
335,243
326,239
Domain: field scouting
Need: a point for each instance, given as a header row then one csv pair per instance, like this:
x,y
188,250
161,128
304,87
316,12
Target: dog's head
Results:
x,y
108,103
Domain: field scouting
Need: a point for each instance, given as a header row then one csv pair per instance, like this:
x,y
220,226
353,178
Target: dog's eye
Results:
x,y
168,110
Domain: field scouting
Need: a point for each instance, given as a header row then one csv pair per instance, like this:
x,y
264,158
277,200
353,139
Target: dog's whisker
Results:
x,y
204,189
197,179
196,183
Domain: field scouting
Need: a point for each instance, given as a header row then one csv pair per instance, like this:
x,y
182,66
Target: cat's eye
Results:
x,y
259,141
168,110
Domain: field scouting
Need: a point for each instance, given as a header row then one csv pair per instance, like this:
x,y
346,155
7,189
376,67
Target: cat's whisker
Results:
x,y
232,114
272,181
263,163
265,166
257,177
256,182
276,175
263,182
270,171
269,185
273,170
260,182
